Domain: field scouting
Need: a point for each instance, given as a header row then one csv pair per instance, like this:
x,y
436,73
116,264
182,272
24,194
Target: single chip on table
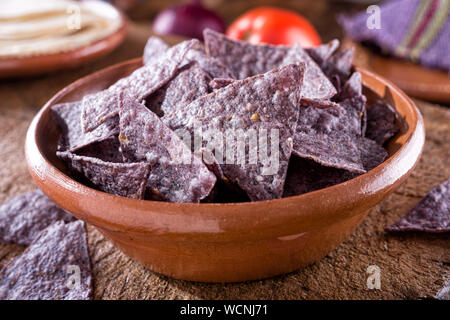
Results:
x,y
22,218
444,293
107,150
329,137
176,175
322,53
154,49
306,176
56,266
431,214
122,179
68,116
315,85
263,107
246,60
100,106
381,122
190,83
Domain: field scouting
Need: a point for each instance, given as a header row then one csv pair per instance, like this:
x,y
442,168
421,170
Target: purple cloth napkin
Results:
x,y
417,30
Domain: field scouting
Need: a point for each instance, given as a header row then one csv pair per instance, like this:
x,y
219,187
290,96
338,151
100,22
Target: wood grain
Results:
x,y
412,266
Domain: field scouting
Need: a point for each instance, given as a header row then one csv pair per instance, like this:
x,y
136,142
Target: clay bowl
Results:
x,y
223,242
34,65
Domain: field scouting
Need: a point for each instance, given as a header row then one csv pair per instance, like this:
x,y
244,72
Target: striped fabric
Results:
x,y
418,30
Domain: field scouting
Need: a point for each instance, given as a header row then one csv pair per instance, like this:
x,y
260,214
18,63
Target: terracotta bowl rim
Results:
x,y
36,159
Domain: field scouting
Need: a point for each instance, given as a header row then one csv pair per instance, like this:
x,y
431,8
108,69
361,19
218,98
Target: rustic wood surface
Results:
x,y
412,266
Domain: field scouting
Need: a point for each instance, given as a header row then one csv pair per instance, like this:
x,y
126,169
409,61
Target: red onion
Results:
x,y
187,20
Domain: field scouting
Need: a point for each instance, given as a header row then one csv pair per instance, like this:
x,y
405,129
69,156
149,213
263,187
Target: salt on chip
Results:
x,y
100,106
381,122
372,154
68,116
122,179
338,67
44,269
260,105
23,217
190,83
154,49
315,85
176,175
431,214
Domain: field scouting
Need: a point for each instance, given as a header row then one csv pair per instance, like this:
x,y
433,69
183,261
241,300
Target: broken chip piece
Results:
x,y
56,266
22,218
122,179
431,214
177,175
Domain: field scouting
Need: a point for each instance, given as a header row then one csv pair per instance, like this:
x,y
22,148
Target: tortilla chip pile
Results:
x,y
56,263
130,139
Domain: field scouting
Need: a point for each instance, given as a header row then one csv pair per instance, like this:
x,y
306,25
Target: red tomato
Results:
x,y
274,26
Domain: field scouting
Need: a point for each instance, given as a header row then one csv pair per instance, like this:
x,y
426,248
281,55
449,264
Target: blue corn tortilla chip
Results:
x,y
243,59
107,150
56,266
254,105
22,218
246,59
444,293
381,122
431,214
100,106
177,175
212,66
189,84
315,85
68,116
122,179
322,53
372,154
305,176
329,137
154,49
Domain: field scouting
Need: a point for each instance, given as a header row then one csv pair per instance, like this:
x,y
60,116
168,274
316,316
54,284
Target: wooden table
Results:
x,y
412,266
